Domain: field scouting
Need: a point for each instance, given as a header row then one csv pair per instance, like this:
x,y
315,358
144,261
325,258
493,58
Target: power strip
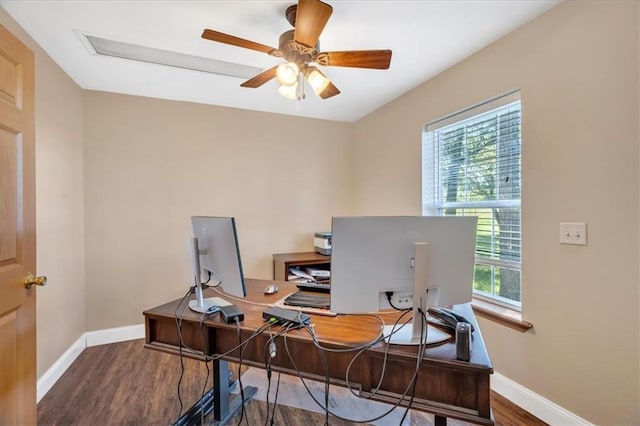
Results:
x,y
286,315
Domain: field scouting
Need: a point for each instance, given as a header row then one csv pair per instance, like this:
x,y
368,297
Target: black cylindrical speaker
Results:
x,y
463,341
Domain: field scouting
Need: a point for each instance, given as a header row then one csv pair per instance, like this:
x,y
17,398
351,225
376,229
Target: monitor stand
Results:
x,y
423,297
404,335
200,304
208,305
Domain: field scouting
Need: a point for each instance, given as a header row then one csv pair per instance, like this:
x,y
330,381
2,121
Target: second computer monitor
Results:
x,y
375,255
219,253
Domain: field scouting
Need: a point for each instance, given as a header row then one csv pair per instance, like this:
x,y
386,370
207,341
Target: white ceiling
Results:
x,y
426,37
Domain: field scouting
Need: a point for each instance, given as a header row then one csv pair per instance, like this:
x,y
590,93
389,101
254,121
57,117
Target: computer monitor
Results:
x,y
215,241
422,261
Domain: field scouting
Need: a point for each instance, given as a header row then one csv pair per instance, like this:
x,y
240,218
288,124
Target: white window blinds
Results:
x,y
472,166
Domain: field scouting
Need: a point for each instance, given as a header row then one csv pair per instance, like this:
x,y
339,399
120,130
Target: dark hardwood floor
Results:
x,y
126,384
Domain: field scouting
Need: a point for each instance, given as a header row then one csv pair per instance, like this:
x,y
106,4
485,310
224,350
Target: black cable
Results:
x,y
285,329
394,329
269,349
389,294
325,365
327,383
275,401
243,346
419,355
181,357
267,365
266,420
241,358
326,386
239,371
222,355
204,391
361,349
205,345
400,400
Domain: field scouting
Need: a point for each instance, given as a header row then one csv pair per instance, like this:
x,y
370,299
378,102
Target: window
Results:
x,y
471,165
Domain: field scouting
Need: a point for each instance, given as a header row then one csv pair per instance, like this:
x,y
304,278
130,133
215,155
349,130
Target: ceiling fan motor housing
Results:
x,y
293,51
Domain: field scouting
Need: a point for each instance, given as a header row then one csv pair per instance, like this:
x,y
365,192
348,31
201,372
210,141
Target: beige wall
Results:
x,y
134,170
59,204
151,164
577,69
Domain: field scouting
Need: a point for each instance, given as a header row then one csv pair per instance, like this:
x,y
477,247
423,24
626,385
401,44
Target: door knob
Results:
x,y
31,280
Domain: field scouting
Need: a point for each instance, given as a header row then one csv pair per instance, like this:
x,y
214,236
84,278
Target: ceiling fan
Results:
x,y
300,48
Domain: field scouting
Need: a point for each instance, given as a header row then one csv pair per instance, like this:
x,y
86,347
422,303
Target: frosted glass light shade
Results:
x,y
289,92
317,80
287,74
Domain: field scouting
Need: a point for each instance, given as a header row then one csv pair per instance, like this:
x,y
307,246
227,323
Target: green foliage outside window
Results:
x,y
477,171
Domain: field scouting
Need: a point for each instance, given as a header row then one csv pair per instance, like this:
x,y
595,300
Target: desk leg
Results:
x,y
440,421
225,404
218,399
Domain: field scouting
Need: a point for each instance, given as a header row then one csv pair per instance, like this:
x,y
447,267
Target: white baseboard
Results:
x,y
90,338
114,335
51,376
537,405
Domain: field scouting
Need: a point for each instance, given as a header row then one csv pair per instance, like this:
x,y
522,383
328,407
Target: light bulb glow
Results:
x,y
287,74
289,92
317,80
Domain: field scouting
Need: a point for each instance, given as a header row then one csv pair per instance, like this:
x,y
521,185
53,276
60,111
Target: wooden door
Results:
x,y
17,233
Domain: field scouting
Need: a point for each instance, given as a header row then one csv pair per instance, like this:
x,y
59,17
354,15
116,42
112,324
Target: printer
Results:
x,y
322,243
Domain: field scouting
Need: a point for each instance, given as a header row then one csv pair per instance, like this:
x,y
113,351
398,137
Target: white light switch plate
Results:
x,y
573,233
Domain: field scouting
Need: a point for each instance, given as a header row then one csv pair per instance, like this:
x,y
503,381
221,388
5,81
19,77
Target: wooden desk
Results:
x,y
446,387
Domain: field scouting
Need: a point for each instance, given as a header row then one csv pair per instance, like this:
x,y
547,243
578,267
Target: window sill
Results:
x,y
501,315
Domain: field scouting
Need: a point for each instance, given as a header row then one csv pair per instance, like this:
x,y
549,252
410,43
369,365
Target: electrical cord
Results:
x,y
360,349
270,352
205,344
239,370
419,356
325,406
179,318
242,346
223,354
394,329
275,401
284,331
389,294
180,345
237,299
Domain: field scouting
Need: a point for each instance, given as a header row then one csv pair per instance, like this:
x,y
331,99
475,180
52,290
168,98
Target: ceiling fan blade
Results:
x,y
377,59
311,17
261,78
236,41
329,91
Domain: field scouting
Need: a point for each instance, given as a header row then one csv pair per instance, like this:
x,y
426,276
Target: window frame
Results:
x,y
431,180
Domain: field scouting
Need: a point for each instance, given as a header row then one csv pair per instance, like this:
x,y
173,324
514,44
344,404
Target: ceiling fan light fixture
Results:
x,y
289,92
317,80
300,47
287,73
